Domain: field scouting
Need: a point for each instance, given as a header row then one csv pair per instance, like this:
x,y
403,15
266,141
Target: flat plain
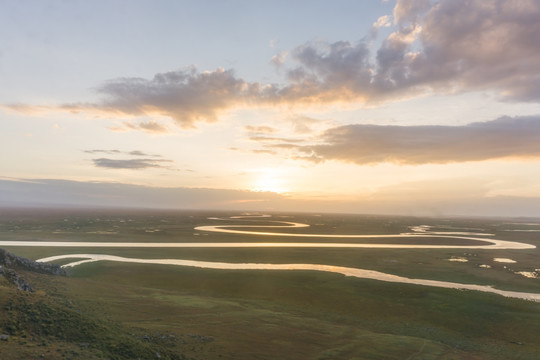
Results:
x,y
265,314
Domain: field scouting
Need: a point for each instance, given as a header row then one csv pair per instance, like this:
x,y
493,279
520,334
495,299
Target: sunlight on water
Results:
x,y
422,231
347,271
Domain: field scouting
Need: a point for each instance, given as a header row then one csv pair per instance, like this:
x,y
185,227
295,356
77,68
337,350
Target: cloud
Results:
x,y
116,152
273,138
306,125
383,21
109,152
326,73
151,126
187,96
448,46
147,160
282,146
140,153
463,45
29,109
409,10
505,137
260,151
130,163
260,129
279,59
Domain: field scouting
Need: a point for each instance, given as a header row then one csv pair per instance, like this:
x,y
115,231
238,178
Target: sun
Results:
x,y
270,180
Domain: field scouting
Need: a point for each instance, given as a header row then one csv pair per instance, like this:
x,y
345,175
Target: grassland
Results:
x,y
216,314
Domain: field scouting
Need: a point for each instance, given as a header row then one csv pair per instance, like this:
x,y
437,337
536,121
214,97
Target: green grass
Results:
x,y
217,314
269,314
47,325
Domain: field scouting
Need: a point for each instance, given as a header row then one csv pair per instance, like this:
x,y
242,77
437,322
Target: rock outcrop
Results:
x,y
14,278
8,261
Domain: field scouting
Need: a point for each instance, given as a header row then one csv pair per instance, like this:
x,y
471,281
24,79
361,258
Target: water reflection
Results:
x,y
421,231
491,244
347,271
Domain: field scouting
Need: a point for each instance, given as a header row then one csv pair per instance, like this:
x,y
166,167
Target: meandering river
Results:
x,y
423,232
347,271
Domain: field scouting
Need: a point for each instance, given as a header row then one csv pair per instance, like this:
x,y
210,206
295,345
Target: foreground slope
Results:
x,y
37,321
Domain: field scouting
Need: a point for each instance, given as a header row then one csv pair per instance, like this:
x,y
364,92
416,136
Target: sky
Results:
x,y
411,107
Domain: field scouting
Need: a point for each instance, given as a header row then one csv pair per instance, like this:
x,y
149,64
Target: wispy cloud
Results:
x,y
140,153
260,129
274,138
383,21
261,151
151,127
142,160
284,146
505,137
116,152
279,59
305,125
109,152
130,163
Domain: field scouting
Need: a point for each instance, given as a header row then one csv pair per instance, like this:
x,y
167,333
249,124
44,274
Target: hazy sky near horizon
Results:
x,y
407,106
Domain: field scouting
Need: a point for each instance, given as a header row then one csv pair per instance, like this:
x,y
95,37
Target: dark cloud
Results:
x,y
147,160
339,71
505,137
130,163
